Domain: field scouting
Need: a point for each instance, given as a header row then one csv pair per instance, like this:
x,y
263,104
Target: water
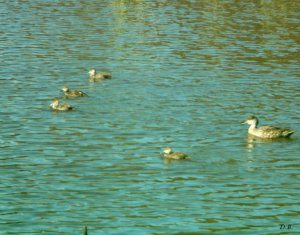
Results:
x,y
185,75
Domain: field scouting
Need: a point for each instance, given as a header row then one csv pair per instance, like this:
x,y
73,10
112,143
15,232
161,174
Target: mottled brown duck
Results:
x,y
266,132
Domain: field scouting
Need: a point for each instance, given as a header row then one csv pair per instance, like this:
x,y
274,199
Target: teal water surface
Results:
x,y
186,74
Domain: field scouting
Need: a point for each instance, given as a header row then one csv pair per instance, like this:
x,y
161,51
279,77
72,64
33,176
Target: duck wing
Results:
x,y
274,132
178,155
105,74
269,128
79,93
66,107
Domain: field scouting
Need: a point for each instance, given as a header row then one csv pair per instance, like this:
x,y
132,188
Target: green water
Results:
x,y
186,74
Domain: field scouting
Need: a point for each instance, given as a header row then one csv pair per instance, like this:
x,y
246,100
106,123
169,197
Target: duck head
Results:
x,y
167,150
92,72
54,103
252,121
65,89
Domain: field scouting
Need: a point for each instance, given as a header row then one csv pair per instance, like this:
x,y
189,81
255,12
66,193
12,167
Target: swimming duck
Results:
x,y
60,107
266,132
169,154
72,93
98,76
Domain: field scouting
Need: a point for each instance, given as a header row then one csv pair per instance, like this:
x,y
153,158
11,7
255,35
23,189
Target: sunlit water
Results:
x,y
185,75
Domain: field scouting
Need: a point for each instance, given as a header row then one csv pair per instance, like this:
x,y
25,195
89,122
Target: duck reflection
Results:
x,y
252,141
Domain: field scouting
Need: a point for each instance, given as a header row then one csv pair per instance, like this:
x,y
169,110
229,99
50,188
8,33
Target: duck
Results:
x,y
72,93
266,132
60,107
94,76
169,154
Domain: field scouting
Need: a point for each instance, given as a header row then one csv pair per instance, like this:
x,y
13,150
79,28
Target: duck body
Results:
x,y
72,93
94,76
169,154
56,106
266,132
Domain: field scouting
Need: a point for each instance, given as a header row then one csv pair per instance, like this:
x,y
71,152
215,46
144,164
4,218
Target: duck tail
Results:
x,y
287,133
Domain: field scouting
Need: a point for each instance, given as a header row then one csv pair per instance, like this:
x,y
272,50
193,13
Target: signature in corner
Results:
x,y
285,226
